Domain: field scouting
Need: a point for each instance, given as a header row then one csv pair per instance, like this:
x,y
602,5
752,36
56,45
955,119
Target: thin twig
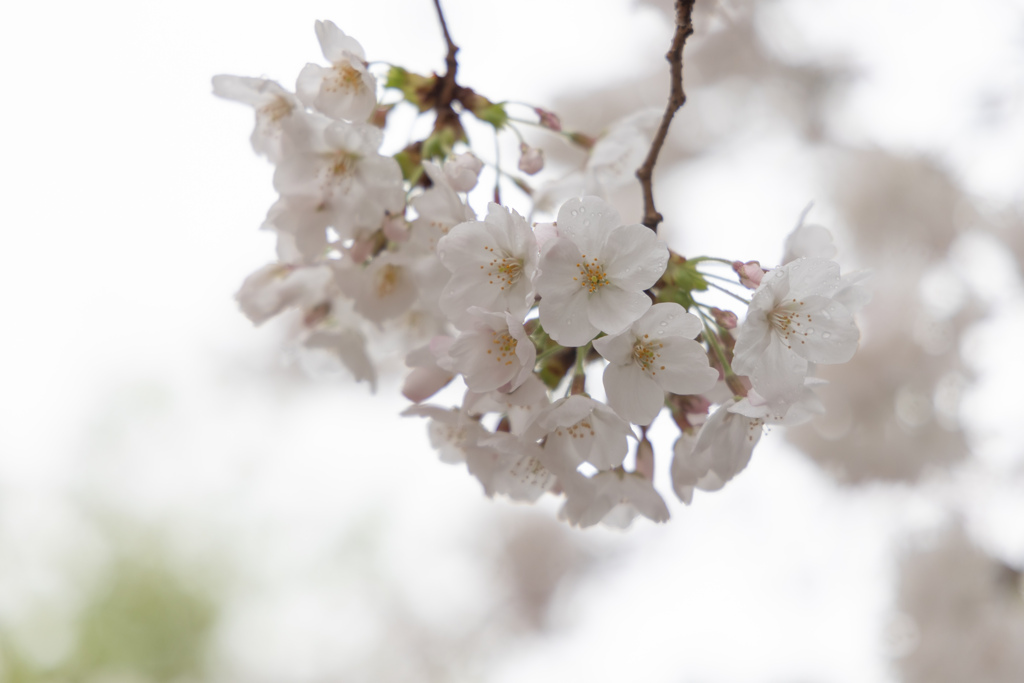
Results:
x,y
676,99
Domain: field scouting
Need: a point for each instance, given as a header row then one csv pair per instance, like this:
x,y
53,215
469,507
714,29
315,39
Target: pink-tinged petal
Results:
x,y
587,221
667,320
307,85
422,383
830,336
559,270
240,89
467,245
729,439
616,348
565,319
632,393
526,352
779,376
752,340
613,310
813,276
334,43
634,258
688,466
683,367
809,241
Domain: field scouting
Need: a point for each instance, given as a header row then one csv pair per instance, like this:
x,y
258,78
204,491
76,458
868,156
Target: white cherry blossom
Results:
x,y
656,354
580,429
277,286
339,172
794,319
720,451
385,288
438,210
614,498
510,466
492,263
593,275
521,405
493,352
344,90
277,110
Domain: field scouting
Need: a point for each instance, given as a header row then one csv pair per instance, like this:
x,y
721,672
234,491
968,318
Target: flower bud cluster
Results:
x,y
373,246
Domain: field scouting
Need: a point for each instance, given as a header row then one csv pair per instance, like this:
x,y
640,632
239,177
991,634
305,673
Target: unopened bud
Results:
x,y
750,273
726,319
548,119
463,171
645,460
583,140
532,159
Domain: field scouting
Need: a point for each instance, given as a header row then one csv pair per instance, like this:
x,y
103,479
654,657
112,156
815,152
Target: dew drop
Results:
x,y
663,323
586,223
810,330
583,209
661,331
574,212
826,335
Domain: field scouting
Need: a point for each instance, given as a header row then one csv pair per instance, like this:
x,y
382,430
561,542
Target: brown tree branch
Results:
x,y
676,99
448,83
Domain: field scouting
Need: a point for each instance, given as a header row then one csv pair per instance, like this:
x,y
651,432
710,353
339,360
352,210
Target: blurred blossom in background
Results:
x,y
186,498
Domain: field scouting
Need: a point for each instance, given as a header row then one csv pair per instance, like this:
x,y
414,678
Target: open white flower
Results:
x,y
656,354
794,319
593,275
580,429
344,90
339,172
494,352
613,498
277,110
492,263
720,451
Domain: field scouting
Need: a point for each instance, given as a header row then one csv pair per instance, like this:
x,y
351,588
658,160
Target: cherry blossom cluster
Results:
x,y
570,337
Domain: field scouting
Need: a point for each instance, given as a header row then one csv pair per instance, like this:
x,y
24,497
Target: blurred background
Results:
x,y
180,500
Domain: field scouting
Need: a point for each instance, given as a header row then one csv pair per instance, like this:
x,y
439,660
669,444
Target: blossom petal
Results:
x,y
634,257
612,309
684,367
668,320
588,222
632,393
565,319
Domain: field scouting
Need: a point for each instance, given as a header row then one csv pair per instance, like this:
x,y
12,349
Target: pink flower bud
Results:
x,y
750,273
726,319
548,119
532,160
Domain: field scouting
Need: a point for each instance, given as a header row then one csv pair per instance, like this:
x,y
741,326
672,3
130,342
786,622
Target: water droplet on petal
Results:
x,y
810,330
663,323
574,212
826,335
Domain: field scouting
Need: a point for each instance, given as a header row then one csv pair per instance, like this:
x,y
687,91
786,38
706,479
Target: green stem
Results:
x,y
734,296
